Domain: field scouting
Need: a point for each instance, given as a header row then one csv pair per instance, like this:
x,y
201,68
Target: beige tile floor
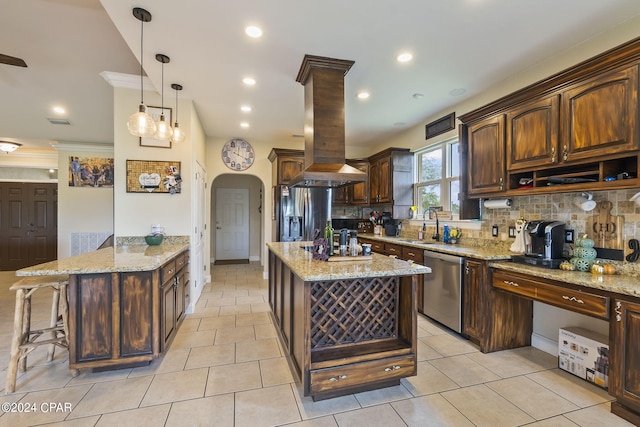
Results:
x,y
225,368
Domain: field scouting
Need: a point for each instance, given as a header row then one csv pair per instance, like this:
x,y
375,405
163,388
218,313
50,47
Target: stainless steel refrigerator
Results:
x,y
302,210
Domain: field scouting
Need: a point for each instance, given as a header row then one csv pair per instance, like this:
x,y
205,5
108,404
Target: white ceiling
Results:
x,y
456,44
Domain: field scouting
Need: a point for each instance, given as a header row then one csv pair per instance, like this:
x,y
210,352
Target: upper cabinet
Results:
x,y
355,194
574,131
485,171
601,116
532,134
391,180
288,164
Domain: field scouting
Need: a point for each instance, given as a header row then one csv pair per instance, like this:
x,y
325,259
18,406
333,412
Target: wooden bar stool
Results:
x,y
25,340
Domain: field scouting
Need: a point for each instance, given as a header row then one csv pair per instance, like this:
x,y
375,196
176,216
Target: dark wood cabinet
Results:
x,y
126,318
601,116
486,171
391,180
624,374
355,194
532,134
472,313
574,131
287,164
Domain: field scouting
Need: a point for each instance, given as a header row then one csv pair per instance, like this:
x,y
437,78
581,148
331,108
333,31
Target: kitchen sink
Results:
x,y
419,242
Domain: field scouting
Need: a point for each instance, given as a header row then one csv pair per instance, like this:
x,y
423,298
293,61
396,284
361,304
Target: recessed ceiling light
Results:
x,y
58,110
249,81
245,108
457,92
253,31
405,57
363,95
244,124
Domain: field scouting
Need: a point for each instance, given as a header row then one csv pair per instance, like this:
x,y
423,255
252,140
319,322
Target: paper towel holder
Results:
x,y
497,203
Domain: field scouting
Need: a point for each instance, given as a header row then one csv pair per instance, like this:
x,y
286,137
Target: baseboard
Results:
x,y
545,344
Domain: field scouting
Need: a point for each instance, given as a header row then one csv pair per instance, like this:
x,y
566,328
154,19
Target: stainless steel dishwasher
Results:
x,y
443,289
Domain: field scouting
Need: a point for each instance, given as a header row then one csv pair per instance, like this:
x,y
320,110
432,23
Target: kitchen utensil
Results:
x,y
606,229
634,245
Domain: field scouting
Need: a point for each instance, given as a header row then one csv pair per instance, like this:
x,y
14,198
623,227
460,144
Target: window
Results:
x,y
438,177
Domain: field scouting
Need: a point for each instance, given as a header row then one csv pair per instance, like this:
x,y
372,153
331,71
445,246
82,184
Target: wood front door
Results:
x,y
28,224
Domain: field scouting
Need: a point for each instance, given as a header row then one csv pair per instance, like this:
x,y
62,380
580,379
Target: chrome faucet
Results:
x,y
436,236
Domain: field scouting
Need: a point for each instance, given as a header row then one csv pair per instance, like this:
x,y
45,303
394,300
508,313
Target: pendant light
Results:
x,y
163,128
178,134
141,123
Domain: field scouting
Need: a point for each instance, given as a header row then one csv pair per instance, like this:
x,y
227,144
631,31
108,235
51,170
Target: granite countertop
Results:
x,y
626,285
477,252
304,266
109,260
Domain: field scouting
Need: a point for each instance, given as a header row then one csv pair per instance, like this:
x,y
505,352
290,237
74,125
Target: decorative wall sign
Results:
x,y
150,176
90,172
442,125
155,112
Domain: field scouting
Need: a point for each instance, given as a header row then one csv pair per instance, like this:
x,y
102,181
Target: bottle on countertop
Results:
x,y
445,234
353,243
328,234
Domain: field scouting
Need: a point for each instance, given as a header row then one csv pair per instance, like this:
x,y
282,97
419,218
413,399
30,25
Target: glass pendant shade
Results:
x,y
141,123
178,135
163,129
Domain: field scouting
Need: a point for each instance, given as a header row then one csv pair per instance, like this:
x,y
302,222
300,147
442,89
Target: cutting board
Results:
x,y
606,229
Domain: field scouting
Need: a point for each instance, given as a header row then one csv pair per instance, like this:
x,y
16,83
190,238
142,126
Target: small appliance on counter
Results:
x,y
544,248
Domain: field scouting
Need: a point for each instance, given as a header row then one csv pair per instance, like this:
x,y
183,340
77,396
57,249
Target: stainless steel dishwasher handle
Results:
x,y
444,257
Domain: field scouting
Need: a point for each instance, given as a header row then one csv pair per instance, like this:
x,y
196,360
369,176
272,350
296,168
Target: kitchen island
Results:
x,y
125,303
348,326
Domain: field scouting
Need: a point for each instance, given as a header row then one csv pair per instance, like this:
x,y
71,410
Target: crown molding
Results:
x,y
127,81
70,146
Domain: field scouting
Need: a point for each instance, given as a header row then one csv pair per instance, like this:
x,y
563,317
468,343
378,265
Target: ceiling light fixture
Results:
x,y
245,108
244,124
178,135
58,110
163,128
253,31
249,81
141,123
405,57
9,147
363,95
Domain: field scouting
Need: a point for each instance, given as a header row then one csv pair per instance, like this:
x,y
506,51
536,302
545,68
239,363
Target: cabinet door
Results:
x,y
625,348
374,182
532,134
289,167
341,195
486,156
472,298
168,312
601,116
384,182
181,278
360,191
136,296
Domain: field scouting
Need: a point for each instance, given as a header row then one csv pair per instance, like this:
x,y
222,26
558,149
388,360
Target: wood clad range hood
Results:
x,y
324,134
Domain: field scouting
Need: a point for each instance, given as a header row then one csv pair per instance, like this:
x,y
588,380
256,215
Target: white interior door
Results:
x,y
232,223
199,238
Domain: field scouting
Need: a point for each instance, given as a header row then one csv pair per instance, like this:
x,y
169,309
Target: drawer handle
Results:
x,y
392,368
579,301
618,311
510,283
170,271
411,254
340,377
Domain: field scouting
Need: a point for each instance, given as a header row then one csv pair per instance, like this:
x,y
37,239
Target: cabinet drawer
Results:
x,y
412,254
167,271
181,261
377,247
563,297
391,249
357,374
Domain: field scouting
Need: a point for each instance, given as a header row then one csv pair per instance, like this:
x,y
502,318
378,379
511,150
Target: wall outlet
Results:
x,y
494,230
512,231
568,236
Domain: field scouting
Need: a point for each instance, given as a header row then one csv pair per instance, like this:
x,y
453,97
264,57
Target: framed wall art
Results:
x,y
94,172
151,176
155,112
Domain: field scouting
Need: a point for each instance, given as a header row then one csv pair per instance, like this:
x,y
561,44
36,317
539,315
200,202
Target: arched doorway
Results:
x,y
237,216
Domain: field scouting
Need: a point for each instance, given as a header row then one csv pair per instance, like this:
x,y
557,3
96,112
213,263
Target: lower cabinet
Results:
x,y
127,318
472,312
624,376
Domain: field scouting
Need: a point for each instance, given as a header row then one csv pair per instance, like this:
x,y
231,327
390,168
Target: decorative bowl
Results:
x,y
153,239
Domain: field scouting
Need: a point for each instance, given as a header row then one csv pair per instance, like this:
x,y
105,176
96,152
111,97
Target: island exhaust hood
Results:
x,y
324,134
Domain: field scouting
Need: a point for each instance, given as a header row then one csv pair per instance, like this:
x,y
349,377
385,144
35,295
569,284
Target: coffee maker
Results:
x,y
544,244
